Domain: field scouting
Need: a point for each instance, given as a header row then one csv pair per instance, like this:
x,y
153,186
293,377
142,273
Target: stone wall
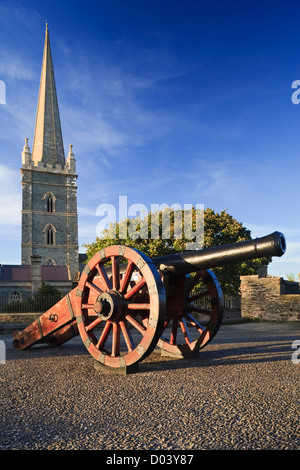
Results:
x,y
19,318
268,298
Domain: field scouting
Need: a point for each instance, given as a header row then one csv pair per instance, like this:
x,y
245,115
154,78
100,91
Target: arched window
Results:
x,y
49,262
15,296
49,202
50,236
49,232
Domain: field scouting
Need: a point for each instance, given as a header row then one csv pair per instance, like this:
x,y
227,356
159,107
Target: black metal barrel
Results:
x,y
191,261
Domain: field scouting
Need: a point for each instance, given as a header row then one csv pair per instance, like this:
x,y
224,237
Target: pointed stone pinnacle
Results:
x,y
48,141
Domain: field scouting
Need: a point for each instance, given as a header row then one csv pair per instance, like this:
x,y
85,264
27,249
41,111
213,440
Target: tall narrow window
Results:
x,y
49,203
49,233
50,236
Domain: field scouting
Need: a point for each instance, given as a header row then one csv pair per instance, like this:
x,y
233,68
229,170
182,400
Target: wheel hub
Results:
x,y
109,306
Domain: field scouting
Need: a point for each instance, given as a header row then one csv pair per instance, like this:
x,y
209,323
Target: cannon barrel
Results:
x,y
191,261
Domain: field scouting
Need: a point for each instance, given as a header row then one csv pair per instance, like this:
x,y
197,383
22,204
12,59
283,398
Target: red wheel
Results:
x,y
195,325
120,316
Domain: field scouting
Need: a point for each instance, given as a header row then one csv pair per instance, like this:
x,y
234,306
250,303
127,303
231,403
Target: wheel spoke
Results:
x,y
165,326
93,287
174,331
116,272
127,276
206,311
104,335
88,306
115,340
104,277
185,331
92,325
127,336
195,323
138,306
136,324
135,288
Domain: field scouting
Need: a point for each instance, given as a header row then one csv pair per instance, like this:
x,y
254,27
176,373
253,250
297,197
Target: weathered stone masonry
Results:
x,y
38,183
270,298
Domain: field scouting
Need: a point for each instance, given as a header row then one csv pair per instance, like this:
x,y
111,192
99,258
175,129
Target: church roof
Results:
x,y
9,272
48,141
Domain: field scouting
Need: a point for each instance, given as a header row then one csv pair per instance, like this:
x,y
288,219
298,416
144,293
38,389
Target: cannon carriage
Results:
x,y
126,304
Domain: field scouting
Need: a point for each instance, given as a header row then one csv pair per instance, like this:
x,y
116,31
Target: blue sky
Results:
x,y
164,101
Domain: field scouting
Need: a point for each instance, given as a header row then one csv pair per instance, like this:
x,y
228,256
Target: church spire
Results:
x,y
48,142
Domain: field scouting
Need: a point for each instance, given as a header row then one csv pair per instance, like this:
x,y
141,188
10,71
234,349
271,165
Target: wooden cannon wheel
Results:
x,y
183,333
120,317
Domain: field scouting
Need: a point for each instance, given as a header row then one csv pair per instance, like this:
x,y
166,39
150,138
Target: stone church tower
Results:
x,y
49,191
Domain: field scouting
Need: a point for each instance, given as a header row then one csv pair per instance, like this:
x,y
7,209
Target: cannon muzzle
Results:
x,y
191,261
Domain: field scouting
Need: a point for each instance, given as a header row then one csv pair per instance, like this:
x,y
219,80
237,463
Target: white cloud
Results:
x,y
212,177
13,66
86,211
10,198
103,98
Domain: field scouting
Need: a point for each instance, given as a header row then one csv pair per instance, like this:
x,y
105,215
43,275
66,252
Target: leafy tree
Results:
x,y
223,229
48,289
219,229
46,296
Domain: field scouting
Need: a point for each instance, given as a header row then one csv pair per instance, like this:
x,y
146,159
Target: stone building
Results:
x,y
49,243
49,211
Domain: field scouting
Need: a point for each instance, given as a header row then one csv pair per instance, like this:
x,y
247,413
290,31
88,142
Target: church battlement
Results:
x,y
69,167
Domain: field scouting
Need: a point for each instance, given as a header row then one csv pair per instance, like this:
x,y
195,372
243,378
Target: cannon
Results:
x,y
126,304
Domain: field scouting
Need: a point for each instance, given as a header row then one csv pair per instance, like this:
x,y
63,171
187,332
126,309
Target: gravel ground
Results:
x,y
240,392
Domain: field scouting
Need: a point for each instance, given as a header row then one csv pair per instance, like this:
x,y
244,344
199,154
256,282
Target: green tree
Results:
x,y
48,289
219,229
223,229
45,297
